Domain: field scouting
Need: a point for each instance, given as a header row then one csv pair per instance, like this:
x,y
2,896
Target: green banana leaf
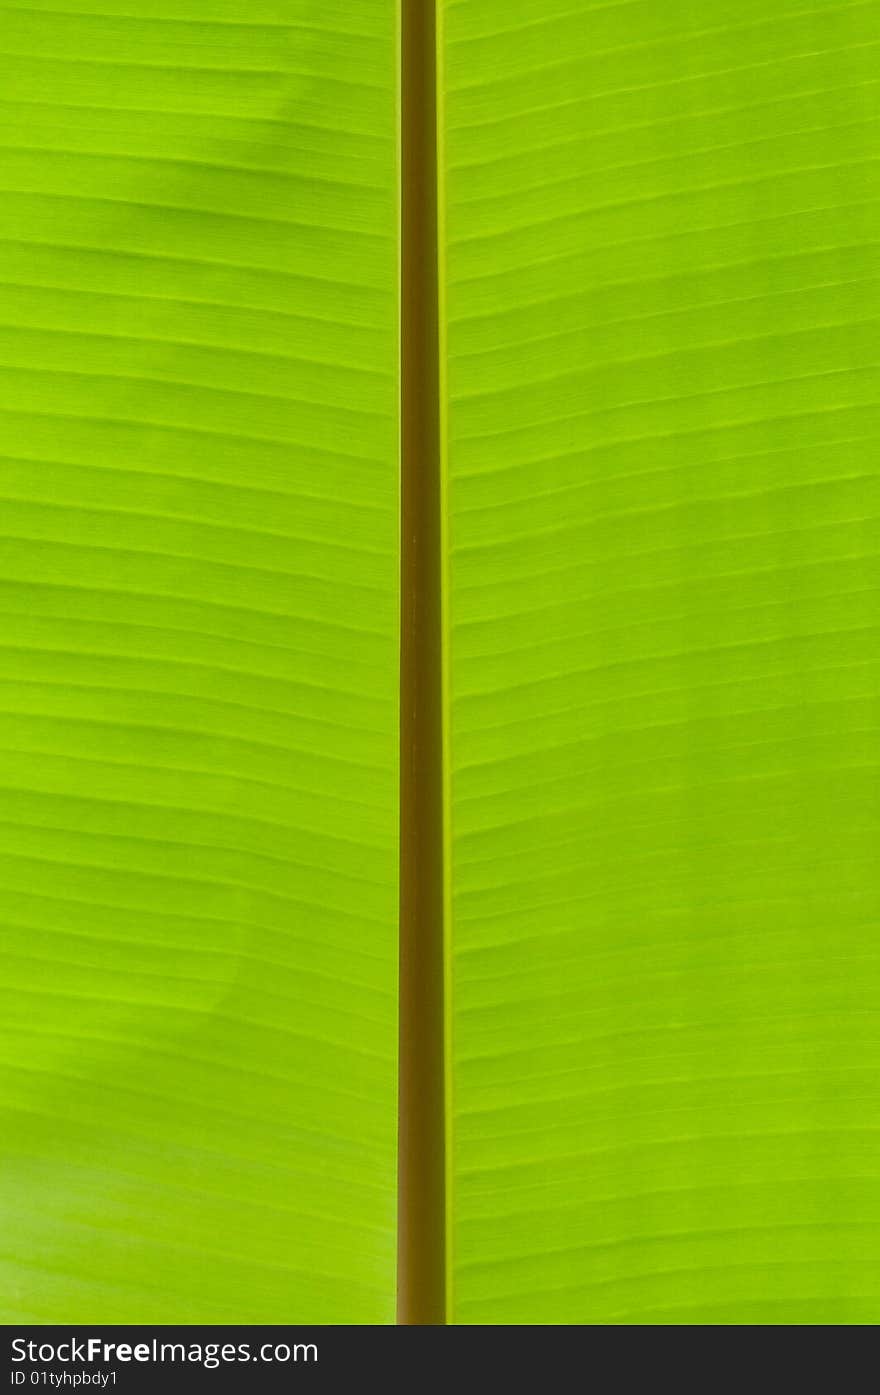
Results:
x,y
657,376
661,288
198,706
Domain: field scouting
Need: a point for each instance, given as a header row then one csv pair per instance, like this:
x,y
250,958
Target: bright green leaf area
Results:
x,y
661,282
198,690
660,318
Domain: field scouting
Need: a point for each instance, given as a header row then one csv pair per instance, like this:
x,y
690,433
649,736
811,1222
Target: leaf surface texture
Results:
x,y
660,272
198,694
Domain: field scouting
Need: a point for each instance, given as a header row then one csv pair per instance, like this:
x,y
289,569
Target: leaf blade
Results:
x,y
199,697
661,302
